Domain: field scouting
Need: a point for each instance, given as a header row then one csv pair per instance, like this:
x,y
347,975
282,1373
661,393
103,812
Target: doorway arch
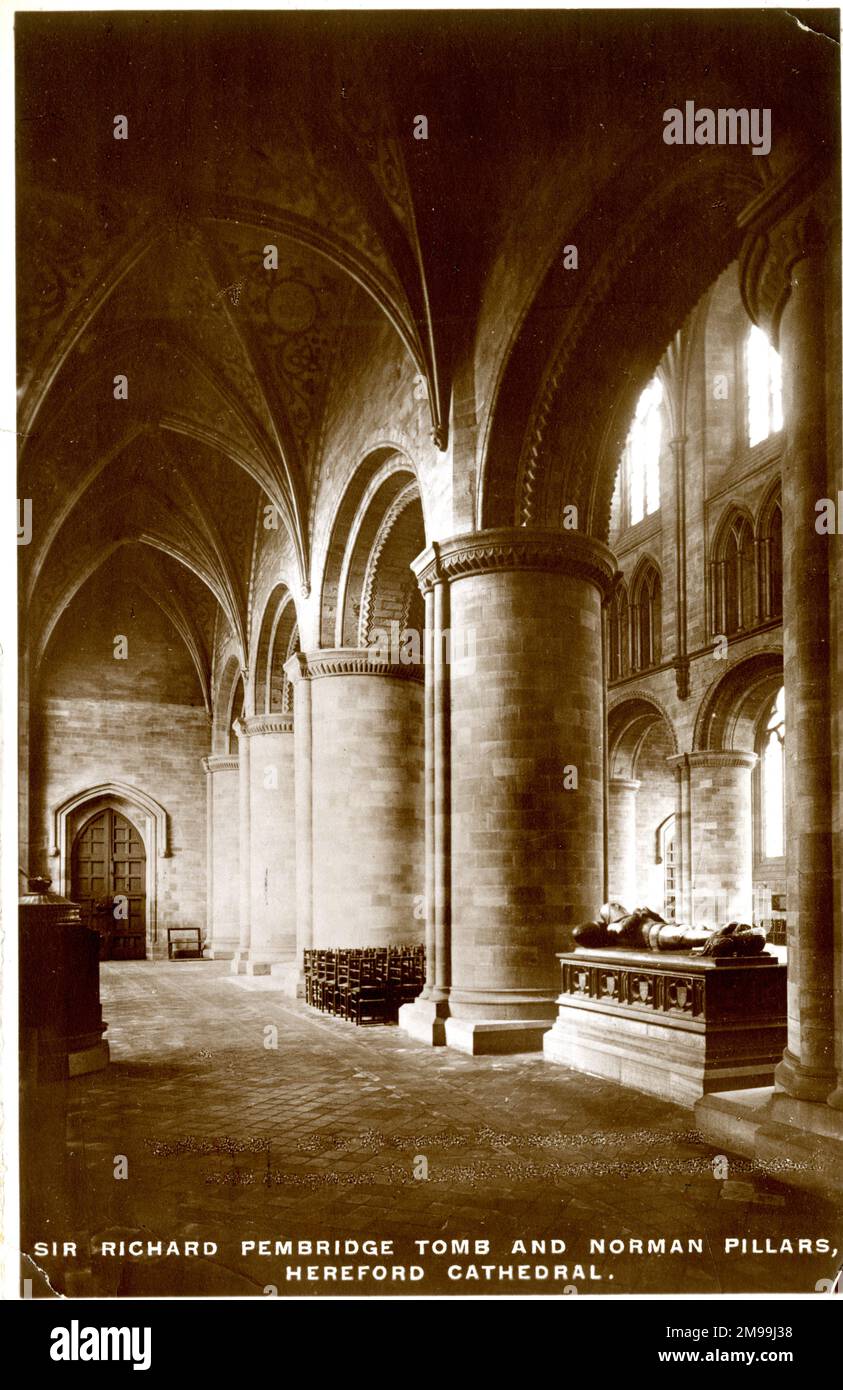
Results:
x,y
142,812
108,881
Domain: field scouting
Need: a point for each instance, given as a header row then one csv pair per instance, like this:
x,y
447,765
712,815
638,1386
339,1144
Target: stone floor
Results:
x,y
228,1138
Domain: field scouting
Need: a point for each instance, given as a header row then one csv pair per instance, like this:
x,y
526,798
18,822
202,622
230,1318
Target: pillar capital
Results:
x,y
787,223
221,762
266,724
349,661
624,784
713,757
516,548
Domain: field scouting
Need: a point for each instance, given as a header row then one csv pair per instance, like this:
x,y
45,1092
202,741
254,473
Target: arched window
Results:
x,y
734,607
763,386
647,619
772,779
637,487
619,633
770,560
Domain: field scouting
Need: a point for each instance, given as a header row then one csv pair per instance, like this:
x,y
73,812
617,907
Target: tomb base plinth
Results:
x,y
675,1025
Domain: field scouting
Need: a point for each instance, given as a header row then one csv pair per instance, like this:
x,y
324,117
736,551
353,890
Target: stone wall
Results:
x,y
139,721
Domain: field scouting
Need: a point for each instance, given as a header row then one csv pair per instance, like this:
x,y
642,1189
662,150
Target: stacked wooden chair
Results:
x,y
366,985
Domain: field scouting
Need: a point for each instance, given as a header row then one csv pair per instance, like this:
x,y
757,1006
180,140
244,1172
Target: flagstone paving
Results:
x,y
230,1132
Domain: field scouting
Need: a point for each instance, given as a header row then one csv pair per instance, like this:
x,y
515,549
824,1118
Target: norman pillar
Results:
x,y
783,285
272,845
523,746
424,1019
807,1068
296,669
367,797
717,804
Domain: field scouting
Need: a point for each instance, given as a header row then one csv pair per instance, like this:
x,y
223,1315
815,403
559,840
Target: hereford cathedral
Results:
x,y
431,648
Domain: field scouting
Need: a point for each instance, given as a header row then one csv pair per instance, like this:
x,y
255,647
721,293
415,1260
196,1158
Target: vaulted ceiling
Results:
x,y
145,258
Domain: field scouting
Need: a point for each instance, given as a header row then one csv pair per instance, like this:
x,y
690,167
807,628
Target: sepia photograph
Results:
x,y
429,657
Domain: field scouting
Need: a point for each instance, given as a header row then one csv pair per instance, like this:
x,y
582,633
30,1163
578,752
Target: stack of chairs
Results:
x,y
367,985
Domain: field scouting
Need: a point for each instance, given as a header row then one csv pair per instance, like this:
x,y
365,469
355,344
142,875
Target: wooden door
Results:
x,y
108,880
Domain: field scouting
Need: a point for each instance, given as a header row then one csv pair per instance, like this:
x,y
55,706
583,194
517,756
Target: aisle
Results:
x,y
229,1140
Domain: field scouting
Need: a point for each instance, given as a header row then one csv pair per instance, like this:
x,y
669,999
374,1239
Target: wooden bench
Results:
x,y
192,945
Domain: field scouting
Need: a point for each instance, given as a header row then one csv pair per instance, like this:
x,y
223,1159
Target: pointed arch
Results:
x,y
770,557
630,720
619,633
542,451
646,614
149,818
229,704
734,597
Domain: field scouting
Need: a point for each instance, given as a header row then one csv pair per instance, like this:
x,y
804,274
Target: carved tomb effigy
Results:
x,y
672,1011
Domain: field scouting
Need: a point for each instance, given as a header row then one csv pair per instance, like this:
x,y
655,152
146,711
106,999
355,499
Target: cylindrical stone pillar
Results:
x,y
223,856
424,1019
719,834
807,1068
296,669
244,807
623,792
367,761
525,744
272,841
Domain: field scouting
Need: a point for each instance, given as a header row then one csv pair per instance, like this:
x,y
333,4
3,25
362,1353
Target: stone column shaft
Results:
x,y
367,788
429,799
518,745
424,1019
718,788
622,855
442,791
783,274
272,857
245,846
296,669
807,1069
223,856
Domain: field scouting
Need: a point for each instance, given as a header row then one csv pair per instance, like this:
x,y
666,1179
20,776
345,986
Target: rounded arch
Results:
x,y
383,486
229,702
731,707
273,647
543,451
630,721
388,590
